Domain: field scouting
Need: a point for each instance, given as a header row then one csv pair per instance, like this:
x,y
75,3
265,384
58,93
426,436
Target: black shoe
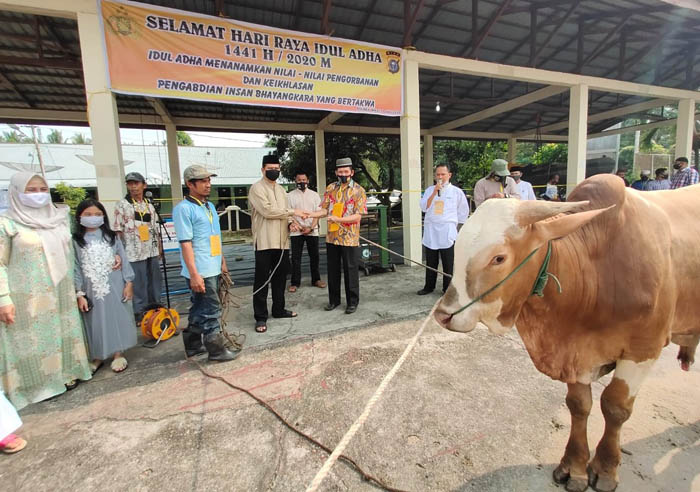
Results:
x,y
218,352
331,307
424,291
350,309
193,343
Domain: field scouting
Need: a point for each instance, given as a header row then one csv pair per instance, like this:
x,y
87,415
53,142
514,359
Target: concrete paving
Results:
x,y
466,412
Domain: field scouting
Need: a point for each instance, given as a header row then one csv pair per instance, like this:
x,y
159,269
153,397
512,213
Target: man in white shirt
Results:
x,y
524,188
498,184
445,206
303,198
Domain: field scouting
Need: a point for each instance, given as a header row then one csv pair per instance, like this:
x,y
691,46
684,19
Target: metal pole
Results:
x,y
38,153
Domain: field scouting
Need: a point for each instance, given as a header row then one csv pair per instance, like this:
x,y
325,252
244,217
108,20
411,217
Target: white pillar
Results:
x,y
684,128
578,130
174,164
410,163
320,145
102,114
512,146
428,164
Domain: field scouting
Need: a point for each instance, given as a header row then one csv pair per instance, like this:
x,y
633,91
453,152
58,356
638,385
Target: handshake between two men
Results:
x,y
295,226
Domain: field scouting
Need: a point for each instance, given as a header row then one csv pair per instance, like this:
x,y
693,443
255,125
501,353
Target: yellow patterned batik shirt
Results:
x,y
354,201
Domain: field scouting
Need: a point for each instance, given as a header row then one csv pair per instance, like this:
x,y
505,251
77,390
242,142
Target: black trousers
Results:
x,y
265,262
297,250
349,256
431,259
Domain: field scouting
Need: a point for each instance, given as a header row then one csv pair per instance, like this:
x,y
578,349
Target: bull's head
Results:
x,y
491,244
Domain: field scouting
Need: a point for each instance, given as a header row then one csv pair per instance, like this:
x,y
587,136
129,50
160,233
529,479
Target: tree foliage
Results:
x,y
376,160
184,139
470,160
55,136
70,195
14,137
551,153
80,139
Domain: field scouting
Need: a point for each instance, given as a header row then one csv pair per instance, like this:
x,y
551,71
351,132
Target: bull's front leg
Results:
x,y
616,403
572,468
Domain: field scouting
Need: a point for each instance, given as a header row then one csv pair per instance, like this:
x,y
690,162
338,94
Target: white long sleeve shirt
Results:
x,y
446,211
525,190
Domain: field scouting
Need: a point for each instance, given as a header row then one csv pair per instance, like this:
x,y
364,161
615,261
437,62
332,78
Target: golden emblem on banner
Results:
x,y
394,61
121,23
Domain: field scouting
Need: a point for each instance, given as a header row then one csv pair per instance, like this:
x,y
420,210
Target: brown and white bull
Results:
x,y
628,264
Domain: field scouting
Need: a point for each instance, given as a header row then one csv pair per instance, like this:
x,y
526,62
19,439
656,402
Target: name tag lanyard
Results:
x,y
214,239
143,229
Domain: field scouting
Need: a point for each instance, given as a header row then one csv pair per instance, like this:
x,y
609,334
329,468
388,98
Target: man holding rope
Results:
x,y
343,204
197,229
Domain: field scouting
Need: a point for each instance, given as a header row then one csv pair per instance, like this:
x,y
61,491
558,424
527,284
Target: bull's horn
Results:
x,y
531,211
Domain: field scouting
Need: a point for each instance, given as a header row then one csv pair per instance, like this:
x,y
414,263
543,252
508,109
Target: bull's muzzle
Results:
x,y
442,317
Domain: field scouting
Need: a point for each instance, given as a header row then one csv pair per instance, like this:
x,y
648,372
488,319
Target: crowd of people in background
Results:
x,y
70,301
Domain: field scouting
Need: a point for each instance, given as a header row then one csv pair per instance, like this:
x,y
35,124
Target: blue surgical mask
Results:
x,y
92,221
35,200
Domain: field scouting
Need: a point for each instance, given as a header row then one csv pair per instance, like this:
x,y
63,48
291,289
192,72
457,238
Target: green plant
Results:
x,y
70,195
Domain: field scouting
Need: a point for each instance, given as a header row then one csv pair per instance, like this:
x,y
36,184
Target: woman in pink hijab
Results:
x,y
42,347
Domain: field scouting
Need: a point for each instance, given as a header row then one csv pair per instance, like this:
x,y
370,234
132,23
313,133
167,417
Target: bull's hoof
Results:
x,y
577,484
601,483
573,484
560,474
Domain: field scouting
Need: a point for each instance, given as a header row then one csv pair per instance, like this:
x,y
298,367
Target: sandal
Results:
x,y
119,364
320,284
285,314
260,326
95,366
292,288
72,385
12,444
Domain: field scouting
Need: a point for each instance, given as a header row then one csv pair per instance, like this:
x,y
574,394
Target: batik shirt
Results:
x,y
128,216
354,201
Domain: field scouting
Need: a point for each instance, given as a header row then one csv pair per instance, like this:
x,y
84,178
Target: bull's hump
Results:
x,y
602,190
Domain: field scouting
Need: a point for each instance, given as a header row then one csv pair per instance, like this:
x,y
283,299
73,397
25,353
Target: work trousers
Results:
x,y
205,313
297,250
265,262
147,285
349,256
431,259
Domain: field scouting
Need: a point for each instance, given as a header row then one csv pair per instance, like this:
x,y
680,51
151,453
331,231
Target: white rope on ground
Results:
x,y
330,461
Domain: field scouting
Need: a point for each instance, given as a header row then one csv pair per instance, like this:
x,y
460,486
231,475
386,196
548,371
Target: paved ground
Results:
x,y
465,413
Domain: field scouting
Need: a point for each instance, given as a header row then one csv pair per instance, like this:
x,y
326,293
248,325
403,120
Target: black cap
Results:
x,y
134,176
516,168
682,159
270,159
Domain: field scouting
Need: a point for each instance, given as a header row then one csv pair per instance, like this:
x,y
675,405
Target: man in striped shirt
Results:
x,y
685,175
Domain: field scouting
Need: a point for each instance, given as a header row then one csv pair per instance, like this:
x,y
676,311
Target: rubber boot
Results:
x,y
214,342
193,343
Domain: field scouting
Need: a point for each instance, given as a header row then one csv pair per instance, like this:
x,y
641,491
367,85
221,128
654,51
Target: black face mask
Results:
x,y
677,165
645,178
343,179
301,186
272,174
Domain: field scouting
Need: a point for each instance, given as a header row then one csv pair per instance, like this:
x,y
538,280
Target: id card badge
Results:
x,y
439,207
144,234
215,245
336,212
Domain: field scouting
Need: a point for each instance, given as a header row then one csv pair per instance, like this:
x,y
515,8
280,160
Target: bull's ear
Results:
x,y
564,224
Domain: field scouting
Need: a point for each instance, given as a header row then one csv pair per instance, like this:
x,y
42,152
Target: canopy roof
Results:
x,y
648,41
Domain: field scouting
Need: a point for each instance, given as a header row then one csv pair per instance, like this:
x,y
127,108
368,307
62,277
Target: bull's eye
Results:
x,y
497,260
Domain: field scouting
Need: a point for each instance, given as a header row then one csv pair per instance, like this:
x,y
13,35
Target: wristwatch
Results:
x,y
80,293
